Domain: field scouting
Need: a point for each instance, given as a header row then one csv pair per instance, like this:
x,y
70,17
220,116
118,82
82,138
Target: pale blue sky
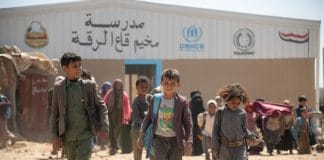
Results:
x,y
301,9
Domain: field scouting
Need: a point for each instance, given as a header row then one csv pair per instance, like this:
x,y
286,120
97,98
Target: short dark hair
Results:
x,y
302,98
142,79
171,74
68,58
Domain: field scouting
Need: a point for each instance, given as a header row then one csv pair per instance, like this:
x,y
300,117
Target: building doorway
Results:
x,y
135,68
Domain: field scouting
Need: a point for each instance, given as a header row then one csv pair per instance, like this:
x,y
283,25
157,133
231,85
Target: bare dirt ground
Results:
x,y
24,150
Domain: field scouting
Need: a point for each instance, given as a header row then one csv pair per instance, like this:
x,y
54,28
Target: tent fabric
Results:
x,y
16,65
270,109
23,60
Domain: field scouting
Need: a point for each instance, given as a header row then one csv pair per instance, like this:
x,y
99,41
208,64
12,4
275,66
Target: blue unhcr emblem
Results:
x,y
193,39
192,33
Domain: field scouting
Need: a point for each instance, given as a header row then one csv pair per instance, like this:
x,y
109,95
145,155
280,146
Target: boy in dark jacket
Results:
x,y
173,124
78,113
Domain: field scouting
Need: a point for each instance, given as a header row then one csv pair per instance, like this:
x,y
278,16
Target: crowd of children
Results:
x,y
225,131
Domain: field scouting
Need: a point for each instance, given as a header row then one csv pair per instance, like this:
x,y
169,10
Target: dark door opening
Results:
x,y
133,71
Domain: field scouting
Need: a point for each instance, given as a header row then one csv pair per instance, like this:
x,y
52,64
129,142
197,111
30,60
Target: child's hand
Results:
x,y
254,142
187,149
215,154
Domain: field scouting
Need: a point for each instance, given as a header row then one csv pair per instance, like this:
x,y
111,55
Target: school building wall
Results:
x,y
273,57
271,79
114,29
105,70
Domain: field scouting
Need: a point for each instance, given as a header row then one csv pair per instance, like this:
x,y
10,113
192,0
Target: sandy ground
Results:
x,y
24,150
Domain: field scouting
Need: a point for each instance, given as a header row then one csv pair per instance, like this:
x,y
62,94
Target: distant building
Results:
x,y
274,58
321,94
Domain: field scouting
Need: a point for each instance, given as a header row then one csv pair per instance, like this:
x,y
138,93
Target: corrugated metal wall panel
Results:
x,y
161,27
220,32
228,39
263,39
166,28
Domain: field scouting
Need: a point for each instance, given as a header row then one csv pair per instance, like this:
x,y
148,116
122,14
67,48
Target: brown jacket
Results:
x,y
182,122
92,100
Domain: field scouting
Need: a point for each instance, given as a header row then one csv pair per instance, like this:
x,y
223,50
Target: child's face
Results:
x,y
211,108
169,86
248,109
142,88
303,103
234,103
219,103
73,70
304,114
118,86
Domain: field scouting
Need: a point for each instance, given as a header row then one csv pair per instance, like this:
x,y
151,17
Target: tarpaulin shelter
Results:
x,y
24,80
268,108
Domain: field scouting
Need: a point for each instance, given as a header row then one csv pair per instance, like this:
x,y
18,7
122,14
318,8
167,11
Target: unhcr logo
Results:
x,y
192,33
192,36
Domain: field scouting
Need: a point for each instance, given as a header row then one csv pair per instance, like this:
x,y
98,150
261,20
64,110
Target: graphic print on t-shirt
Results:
x,y
167,120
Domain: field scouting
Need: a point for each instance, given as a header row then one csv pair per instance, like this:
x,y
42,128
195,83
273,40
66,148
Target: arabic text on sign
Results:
x,y
119,40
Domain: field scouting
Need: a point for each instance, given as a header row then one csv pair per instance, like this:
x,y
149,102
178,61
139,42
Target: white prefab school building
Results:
x,y
272,57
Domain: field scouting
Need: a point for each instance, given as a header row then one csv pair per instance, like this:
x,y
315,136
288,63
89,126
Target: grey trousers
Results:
x,y
137,153
166,148
206,144
114,130
237,153
78,150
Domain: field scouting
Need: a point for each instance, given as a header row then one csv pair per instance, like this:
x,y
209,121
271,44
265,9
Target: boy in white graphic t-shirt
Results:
x,y
173,125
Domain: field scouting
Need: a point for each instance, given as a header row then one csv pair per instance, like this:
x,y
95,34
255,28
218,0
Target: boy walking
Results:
x,y
139,107
173,124
78,111
300,131
302,103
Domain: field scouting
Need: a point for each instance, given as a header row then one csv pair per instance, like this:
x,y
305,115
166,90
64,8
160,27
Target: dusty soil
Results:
x,y
24,150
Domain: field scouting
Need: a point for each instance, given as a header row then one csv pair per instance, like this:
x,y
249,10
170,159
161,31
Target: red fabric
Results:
x,y
294,35
270,109
105,98
126,107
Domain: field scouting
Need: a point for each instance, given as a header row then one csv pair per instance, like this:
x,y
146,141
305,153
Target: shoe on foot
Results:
x,y
13,141
113,151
